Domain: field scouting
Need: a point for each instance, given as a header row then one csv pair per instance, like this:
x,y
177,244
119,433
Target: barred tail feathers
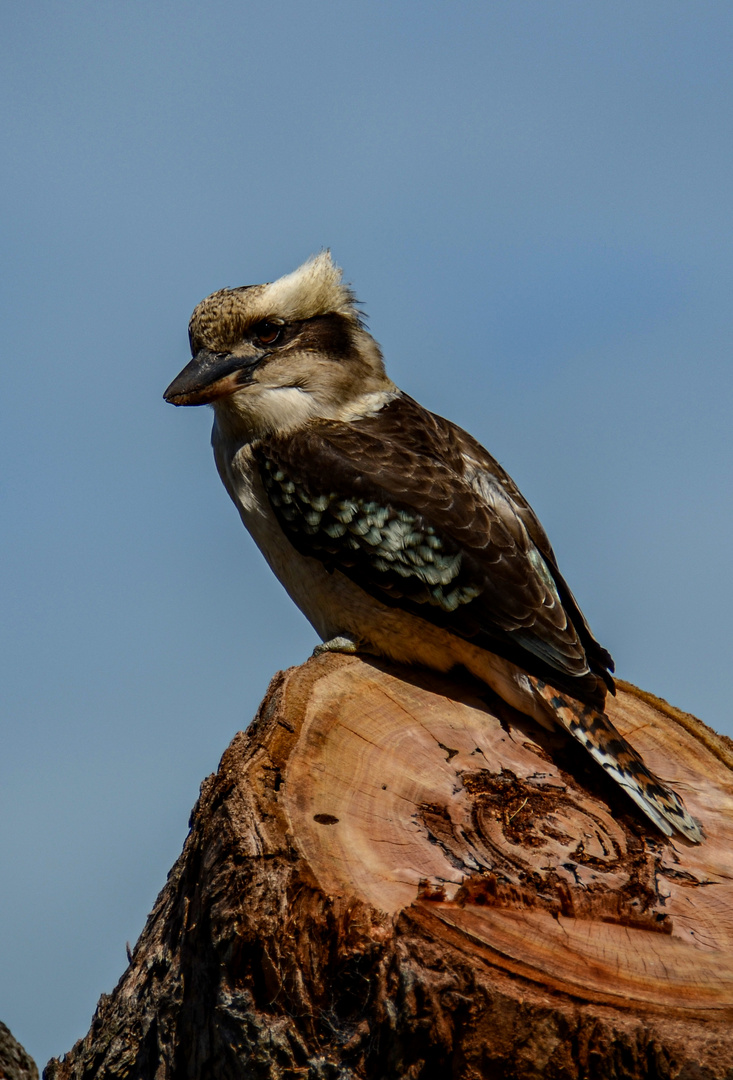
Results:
x,y
606,745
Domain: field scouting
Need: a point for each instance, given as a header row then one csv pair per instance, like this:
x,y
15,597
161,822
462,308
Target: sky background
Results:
x,y
532,200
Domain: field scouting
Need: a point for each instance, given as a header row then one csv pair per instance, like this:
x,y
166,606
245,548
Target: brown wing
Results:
x,y
496,486
419,515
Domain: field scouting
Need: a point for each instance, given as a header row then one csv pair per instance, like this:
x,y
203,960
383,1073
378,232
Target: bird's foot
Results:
x,y
342,643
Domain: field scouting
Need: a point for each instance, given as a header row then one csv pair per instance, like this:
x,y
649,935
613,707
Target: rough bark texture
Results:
x,y
392,877
15,1062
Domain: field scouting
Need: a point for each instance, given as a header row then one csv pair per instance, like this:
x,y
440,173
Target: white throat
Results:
x,y
280,410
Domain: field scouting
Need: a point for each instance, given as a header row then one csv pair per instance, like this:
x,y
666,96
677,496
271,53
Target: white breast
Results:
x,y
320,595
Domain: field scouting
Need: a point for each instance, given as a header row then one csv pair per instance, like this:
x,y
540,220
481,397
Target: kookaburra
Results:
x,y
392,529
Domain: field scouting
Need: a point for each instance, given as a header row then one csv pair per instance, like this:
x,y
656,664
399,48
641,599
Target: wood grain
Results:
x,y
394,875
399,797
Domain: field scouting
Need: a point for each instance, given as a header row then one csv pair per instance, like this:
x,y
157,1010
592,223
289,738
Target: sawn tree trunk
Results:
x,y
393,875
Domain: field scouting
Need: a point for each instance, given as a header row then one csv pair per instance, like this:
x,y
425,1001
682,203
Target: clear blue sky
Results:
x,y
534,203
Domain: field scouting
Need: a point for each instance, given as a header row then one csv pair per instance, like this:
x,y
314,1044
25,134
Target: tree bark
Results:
x,y
393,875
15,1062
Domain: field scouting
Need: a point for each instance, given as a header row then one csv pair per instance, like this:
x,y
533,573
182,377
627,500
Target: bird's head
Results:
x,y
269,358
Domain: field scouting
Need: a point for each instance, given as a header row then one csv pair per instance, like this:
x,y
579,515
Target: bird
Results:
x,y
393,530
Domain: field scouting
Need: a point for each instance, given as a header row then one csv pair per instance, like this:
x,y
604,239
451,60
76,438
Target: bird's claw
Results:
x,y
342,643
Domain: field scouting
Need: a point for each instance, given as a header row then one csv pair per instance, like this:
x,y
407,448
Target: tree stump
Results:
x,y
15,1062
393,875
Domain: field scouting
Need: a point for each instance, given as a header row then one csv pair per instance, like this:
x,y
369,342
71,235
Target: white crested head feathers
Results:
x,y
315,288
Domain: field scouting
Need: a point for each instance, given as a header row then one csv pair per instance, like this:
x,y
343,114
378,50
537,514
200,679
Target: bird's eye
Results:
x,y
266,332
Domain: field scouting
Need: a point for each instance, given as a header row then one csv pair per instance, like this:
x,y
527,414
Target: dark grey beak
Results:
x,y
210,376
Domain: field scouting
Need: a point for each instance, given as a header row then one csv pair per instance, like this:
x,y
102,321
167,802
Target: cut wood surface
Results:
x,y
394,875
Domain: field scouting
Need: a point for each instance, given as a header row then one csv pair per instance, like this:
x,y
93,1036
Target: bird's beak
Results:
x,y
210,376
